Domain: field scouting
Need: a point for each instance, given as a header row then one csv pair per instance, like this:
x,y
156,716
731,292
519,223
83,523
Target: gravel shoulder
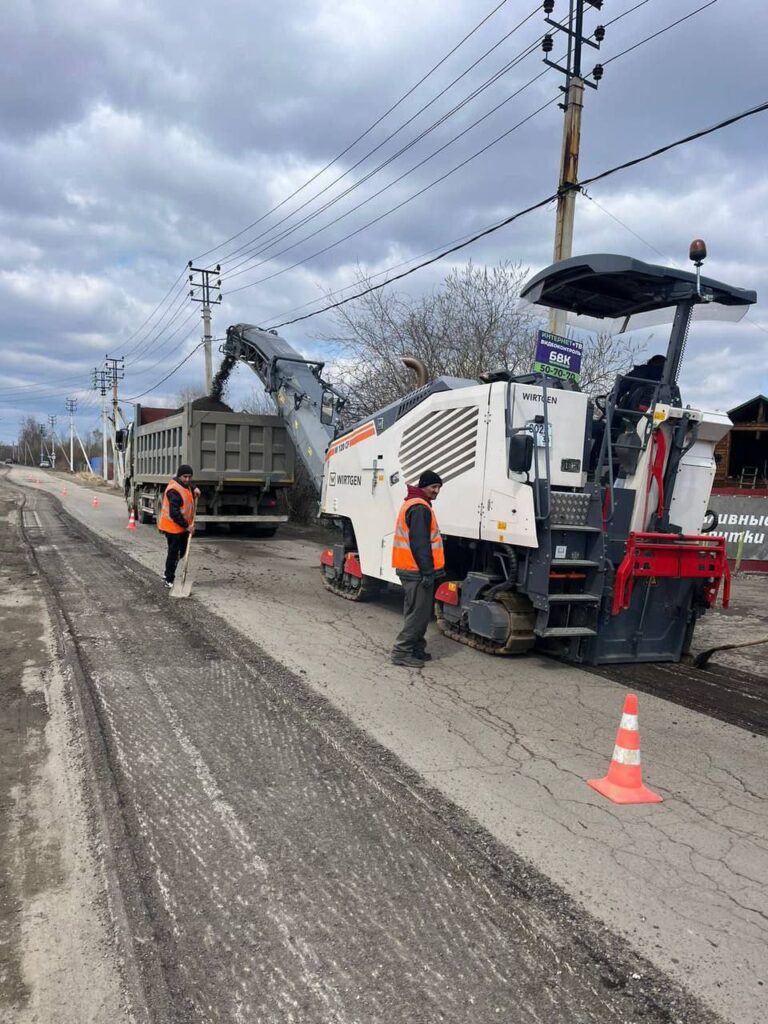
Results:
x,y
58,956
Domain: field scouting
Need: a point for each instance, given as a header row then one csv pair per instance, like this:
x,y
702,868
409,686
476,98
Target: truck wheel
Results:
x,y
143,516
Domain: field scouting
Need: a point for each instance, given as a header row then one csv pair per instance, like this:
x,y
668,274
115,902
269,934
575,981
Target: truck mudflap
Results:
x,y
673,556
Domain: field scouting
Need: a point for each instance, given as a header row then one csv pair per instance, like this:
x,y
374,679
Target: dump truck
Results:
x,y
242,463
572,524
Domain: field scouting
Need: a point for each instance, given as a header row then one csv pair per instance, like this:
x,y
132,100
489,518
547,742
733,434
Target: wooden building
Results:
x,y
740,493
742,455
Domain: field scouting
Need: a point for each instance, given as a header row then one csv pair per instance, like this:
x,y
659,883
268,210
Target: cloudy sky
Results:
x,y
135,137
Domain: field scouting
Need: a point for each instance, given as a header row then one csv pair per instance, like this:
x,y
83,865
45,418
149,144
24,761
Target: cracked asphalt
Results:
x,y
509,847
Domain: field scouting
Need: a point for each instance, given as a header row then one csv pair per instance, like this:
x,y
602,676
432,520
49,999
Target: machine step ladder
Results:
x,y
574,542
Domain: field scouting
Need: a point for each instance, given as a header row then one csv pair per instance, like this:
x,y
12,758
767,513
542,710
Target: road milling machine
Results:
x,y
571,525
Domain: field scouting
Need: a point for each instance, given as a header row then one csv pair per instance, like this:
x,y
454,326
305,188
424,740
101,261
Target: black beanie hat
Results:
x,y
185,470
428,477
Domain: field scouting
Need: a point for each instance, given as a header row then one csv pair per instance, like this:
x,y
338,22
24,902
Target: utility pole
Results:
x,y
42,443
204,285
52,425
100,383
116,371
568,184
71,405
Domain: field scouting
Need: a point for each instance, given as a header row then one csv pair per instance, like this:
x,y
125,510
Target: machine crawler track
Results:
x,y
352,588
519,640
470,639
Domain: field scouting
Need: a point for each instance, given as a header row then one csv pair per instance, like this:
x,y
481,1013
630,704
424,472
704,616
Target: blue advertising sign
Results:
x,y
557,356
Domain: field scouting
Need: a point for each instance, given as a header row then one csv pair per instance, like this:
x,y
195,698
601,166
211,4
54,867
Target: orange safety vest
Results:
x,y
402,556
165,523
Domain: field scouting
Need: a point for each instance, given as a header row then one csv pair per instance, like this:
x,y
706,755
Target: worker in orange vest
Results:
x,y
419,559
177,519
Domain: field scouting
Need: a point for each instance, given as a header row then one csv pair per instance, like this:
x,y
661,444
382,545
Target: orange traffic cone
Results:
x,y
624,782
95,501
63,492
131,521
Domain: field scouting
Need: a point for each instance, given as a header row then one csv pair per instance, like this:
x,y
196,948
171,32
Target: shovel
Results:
x,y
182,584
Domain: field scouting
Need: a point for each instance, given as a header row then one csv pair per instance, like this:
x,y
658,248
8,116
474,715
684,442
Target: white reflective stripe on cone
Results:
x,y
624,756
629,722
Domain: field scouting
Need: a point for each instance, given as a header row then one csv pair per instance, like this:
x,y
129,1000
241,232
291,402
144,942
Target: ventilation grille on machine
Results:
x,y
412,400
444,441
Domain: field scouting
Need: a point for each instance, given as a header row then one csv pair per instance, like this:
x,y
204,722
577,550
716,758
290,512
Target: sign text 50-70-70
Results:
x,y
555,371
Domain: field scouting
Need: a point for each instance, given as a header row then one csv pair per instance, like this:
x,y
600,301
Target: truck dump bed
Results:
x,y
241,462
223,447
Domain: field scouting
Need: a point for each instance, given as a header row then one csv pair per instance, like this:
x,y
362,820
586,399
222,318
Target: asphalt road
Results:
x,y
276,864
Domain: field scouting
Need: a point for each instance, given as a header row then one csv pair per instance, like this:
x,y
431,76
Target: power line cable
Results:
x,y
372,277
157,307
445,252
178,366
375,195
172,315
476,92
39,391
362,135
626,227
759,108
661,32
137,349
404,202
170,345
146,341
631,10
254,253
652,247
386,188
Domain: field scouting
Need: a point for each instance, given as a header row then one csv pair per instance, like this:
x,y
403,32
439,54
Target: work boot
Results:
x,y
407,661
424,655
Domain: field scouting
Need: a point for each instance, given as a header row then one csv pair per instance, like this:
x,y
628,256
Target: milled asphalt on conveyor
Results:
x,y
289,868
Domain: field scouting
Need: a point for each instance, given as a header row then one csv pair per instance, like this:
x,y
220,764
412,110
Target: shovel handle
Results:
x,y
186,553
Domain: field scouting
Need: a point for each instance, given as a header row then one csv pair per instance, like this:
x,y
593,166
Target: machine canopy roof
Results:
x,y
608,287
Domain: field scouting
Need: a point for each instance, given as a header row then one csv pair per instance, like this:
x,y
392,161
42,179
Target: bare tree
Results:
x,y
259,403
29,439
606,355
472,323
189,394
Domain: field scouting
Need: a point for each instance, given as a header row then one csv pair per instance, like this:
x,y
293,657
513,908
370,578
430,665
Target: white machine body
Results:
x,y
462,434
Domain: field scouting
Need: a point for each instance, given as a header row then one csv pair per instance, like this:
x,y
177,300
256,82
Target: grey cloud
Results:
x,y
139,137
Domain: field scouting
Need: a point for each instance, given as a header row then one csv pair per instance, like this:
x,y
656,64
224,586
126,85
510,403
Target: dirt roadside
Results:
x,y
57,954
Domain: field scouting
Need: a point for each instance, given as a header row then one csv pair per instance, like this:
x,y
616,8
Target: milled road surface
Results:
x,y
278,864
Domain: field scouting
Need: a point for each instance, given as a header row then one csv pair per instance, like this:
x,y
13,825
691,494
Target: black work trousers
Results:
x,y
419,598
177,547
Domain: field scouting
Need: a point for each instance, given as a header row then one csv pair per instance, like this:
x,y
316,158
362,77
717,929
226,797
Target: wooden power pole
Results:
x,y
204,285
568,184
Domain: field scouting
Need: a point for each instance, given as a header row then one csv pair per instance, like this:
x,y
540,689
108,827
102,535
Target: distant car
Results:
x,y
45,464
9,462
